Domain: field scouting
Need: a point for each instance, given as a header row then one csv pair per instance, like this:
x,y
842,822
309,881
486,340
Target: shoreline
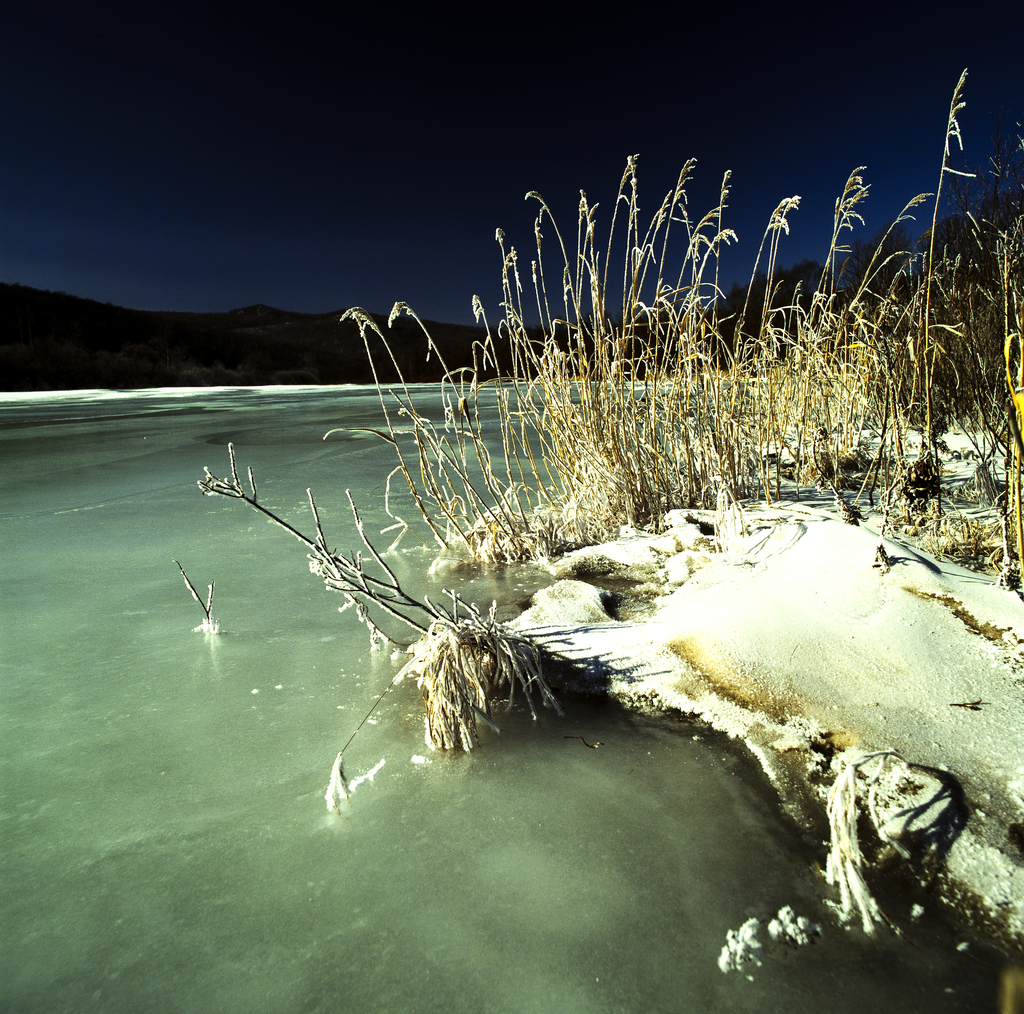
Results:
x,y
792,641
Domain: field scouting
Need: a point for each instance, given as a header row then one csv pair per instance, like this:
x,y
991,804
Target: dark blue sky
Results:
x,y
211,158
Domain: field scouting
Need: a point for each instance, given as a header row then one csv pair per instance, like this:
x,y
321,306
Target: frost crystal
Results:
x,y
789,928
368,777
741,947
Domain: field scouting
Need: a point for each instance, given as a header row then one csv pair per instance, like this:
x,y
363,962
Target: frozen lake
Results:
x,y
165,843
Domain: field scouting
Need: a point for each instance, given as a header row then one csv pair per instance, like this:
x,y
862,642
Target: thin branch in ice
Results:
x,y
209,624
462,657
339,572
397,677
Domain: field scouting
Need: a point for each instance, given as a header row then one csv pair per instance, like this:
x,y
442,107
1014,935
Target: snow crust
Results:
x,y
795,642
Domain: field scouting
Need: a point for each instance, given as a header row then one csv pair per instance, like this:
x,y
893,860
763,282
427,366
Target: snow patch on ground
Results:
x,y
795,642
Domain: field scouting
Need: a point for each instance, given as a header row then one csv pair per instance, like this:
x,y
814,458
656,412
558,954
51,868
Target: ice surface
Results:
x,y
165,845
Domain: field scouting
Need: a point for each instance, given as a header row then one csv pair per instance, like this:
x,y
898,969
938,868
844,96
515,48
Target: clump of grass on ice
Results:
x,y
462,666
461,656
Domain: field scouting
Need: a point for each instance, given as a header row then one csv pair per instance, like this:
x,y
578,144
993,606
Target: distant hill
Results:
x,y
54,341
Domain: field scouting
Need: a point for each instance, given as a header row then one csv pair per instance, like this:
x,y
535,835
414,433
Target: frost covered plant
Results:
x,y
827,477
729,524
209,624
338,790
789,928
462,657
492,508
341,573
644,388
960,537
461,666
845,860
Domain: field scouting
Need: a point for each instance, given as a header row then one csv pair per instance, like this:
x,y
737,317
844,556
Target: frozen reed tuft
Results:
x,y
845,859
461,666
338,789
461,656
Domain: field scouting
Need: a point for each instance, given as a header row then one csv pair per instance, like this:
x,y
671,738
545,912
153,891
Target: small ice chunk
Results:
x,y
255,691
368,777
417,759
741,947
916,911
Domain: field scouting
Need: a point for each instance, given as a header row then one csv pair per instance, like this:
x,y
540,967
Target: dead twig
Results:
x,y
593,746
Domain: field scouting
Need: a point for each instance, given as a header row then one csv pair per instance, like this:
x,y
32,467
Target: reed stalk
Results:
x,y
619,409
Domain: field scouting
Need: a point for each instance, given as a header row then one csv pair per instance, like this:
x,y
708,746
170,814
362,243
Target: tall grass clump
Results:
x,y
642,389
618,409
625,385
609,414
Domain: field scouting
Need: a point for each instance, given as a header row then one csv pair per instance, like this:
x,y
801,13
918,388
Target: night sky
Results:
x,y
211,158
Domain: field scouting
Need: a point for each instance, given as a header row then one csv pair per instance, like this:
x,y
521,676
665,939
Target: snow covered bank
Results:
x,y
794,641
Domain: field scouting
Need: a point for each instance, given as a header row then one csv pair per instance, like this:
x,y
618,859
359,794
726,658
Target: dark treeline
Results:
x,y
55,341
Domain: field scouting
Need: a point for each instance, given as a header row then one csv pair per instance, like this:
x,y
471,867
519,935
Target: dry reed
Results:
x,y
640,392
621,407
